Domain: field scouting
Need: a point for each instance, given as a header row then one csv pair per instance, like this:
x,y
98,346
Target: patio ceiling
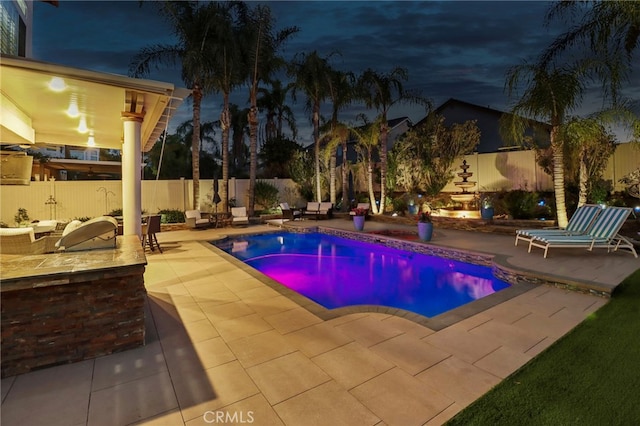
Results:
x,y
33,113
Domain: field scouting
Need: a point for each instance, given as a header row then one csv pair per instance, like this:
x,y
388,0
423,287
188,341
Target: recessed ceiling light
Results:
x,y
82,127
91,141
57,84
73,111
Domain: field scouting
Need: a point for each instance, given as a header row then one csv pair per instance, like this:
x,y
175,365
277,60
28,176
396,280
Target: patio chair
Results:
x,y
239,216
149,231
312,209
288,213
23,241
325,210
197,219
579,224
602,234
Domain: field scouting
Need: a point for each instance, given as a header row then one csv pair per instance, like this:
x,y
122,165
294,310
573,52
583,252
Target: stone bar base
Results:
x,y
93,309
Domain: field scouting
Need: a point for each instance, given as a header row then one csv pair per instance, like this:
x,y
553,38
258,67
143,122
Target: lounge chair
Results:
x,y
197,219
288,213
602,234
579,224
99,232
239,216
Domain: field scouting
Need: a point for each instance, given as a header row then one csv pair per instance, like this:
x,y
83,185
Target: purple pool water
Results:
x,y
337,272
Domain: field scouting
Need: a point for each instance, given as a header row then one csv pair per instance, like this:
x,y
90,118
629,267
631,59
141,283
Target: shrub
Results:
x,y
266,194
399,204
172,216
521,204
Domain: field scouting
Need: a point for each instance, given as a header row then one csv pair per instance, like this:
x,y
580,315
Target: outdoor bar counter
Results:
x,y
66,307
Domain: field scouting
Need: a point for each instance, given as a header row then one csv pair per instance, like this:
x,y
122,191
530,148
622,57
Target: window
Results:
x,y
13,30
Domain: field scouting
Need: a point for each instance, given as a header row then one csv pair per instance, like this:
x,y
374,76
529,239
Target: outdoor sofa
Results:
x,y
322,210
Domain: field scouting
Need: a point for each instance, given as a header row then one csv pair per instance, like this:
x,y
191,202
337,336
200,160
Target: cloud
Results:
x,y
451,49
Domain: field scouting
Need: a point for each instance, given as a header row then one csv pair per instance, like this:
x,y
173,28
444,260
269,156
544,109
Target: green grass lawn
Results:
x,y
589,377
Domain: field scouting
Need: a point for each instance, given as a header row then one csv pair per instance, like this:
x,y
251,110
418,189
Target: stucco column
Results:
x,y
131,185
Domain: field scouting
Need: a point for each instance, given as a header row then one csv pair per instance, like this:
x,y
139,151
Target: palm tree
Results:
x,y
550,93
341,93
194,25
227,75
262,45
311,74
609,29
239,126
382,91
595,145
274,103
603,25
207,133
368,136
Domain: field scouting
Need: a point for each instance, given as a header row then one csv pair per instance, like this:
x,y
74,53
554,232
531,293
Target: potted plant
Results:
x,y
486,207
425,226
21,217
358,218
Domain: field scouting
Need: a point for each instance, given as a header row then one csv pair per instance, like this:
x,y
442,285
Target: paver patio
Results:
x,y
222,345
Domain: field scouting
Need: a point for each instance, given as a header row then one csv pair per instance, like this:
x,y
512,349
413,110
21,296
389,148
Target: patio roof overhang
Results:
x,y
33,113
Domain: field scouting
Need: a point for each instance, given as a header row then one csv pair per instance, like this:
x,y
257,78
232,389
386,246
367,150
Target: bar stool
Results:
x,y
149,231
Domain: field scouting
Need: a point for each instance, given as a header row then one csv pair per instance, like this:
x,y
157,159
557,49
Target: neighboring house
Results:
x,y
487,120
16,27
457,111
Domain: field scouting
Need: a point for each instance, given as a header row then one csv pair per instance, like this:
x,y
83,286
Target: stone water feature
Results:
x,y
465,197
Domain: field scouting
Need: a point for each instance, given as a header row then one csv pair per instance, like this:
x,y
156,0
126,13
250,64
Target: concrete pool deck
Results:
x,y
222,347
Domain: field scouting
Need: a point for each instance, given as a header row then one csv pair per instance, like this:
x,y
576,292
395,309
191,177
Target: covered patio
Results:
x,y
49,104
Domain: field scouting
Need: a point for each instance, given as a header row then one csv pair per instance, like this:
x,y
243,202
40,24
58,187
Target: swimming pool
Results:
x,y
338,272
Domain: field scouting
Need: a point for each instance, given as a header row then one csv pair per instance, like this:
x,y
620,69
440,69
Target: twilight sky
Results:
x,y
451,49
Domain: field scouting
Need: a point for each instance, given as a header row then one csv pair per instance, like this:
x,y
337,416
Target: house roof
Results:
x,y
487,120
32,113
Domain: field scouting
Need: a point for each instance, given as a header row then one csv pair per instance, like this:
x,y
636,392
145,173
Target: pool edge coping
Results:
x,y
521,280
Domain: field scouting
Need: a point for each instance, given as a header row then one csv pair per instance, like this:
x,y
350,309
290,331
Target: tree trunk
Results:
x,y
332,177
225,123
558,179
346,202
195,145
384,136
584,177
316,140
253,155
372,195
